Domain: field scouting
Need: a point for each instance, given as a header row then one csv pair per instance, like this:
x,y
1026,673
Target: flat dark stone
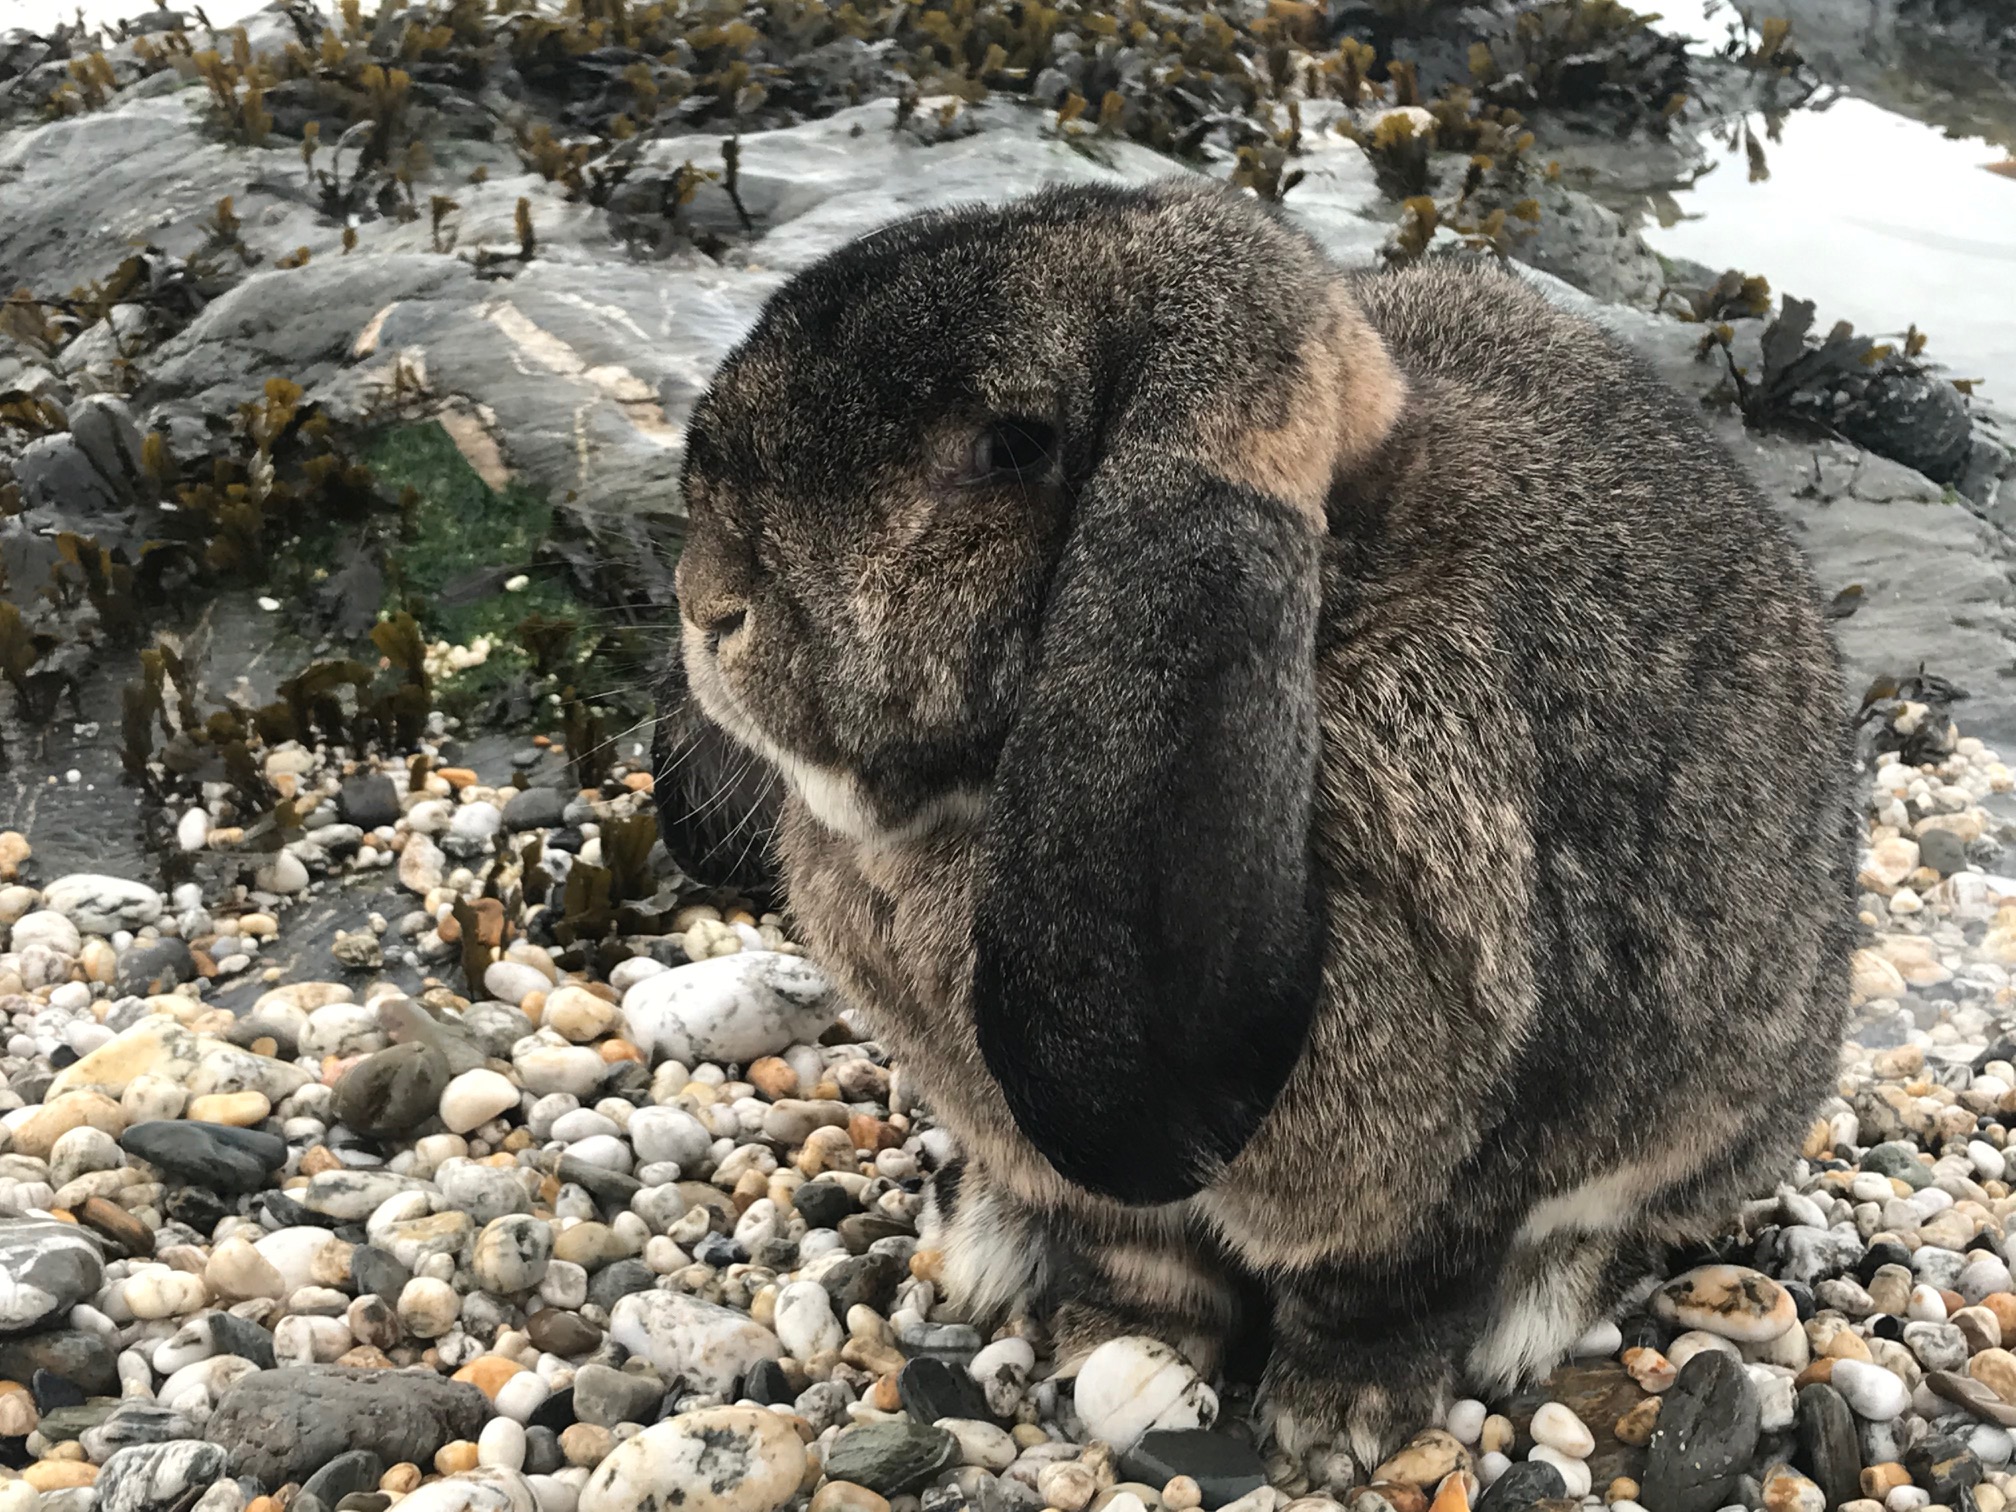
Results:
x,y
606,1397
823,1204
869,1279
767,1383
77,1419
542,1451
53,1391
890,1458
368,802
1526,1482
1706,1434
1225,1468
200,1210
284,1425
610,1188
240,1337
1829,1450
564,1333
375,1272
555,1414
534,808
624,1278
214,1156
859,1230
931,1390
392,1091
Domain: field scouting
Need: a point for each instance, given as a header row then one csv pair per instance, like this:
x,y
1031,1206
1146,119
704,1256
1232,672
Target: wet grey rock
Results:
x,y
1943,851
534,808
368,801
159,1477
892,1457
77,1355
1828,1449
215,1156
1706,1434
56,474
1224,1467
614,1282
606,1397
155,967
1916,418
284,1425
392,1091
229,1334
542,1451
52,1266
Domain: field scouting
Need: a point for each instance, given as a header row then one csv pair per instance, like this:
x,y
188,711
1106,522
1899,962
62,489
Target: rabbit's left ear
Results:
x,y
1147,927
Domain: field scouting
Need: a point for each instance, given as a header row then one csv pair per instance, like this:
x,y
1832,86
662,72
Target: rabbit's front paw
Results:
x,y
1370,1409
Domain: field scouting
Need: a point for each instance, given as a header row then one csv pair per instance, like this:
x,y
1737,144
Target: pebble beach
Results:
x,y
644,1233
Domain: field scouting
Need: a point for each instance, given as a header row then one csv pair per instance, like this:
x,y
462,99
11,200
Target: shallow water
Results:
x,y
40,15
1879,218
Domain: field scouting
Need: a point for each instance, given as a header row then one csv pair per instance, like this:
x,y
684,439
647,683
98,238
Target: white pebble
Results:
x,y
1466,1420
522,1395
428,1308
1555,1427
192,833
474,1098
1927,1306
501,1444
1573,1471
1873,1392
1600,1342
1491,1466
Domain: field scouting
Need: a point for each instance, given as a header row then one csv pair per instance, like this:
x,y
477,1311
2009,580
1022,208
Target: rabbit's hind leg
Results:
x,y
1552,1290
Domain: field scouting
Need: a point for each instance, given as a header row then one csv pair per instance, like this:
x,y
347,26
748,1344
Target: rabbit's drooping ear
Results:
x,y
1147,926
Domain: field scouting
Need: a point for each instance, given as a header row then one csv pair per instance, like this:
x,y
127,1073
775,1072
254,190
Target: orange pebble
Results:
x,y
456,1457
639,782
613,1050
488,1372
1452,1495
60,1475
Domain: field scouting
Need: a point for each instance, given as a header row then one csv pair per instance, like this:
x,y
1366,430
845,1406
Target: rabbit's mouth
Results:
x,y
838,798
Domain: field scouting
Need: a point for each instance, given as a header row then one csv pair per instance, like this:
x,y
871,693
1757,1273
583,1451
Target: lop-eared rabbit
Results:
x,y
1333,785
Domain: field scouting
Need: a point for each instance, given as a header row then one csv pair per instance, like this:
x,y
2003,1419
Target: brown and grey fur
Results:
x,y
1357,809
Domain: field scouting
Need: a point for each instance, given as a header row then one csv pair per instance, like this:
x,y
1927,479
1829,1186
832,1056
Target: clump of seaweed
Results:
x,y
1878,395
1584,55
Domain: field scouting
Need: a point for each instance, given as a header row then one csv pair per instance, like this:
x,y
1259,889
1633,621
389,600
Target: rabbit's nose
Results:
x,y
721,620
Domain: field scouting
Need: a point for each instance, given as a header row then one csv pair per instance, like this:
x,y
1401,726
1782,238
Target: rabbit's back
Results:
x,y
1583,815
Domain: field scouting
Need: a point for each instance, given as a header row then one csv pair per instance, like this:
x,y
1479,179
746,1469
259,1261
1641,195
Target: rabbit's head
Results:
x,y
1010,520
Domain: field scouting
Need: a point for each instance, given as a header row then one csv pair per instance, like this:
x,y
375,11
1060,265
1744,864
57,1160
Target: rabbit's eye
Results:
x,y
1014,451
